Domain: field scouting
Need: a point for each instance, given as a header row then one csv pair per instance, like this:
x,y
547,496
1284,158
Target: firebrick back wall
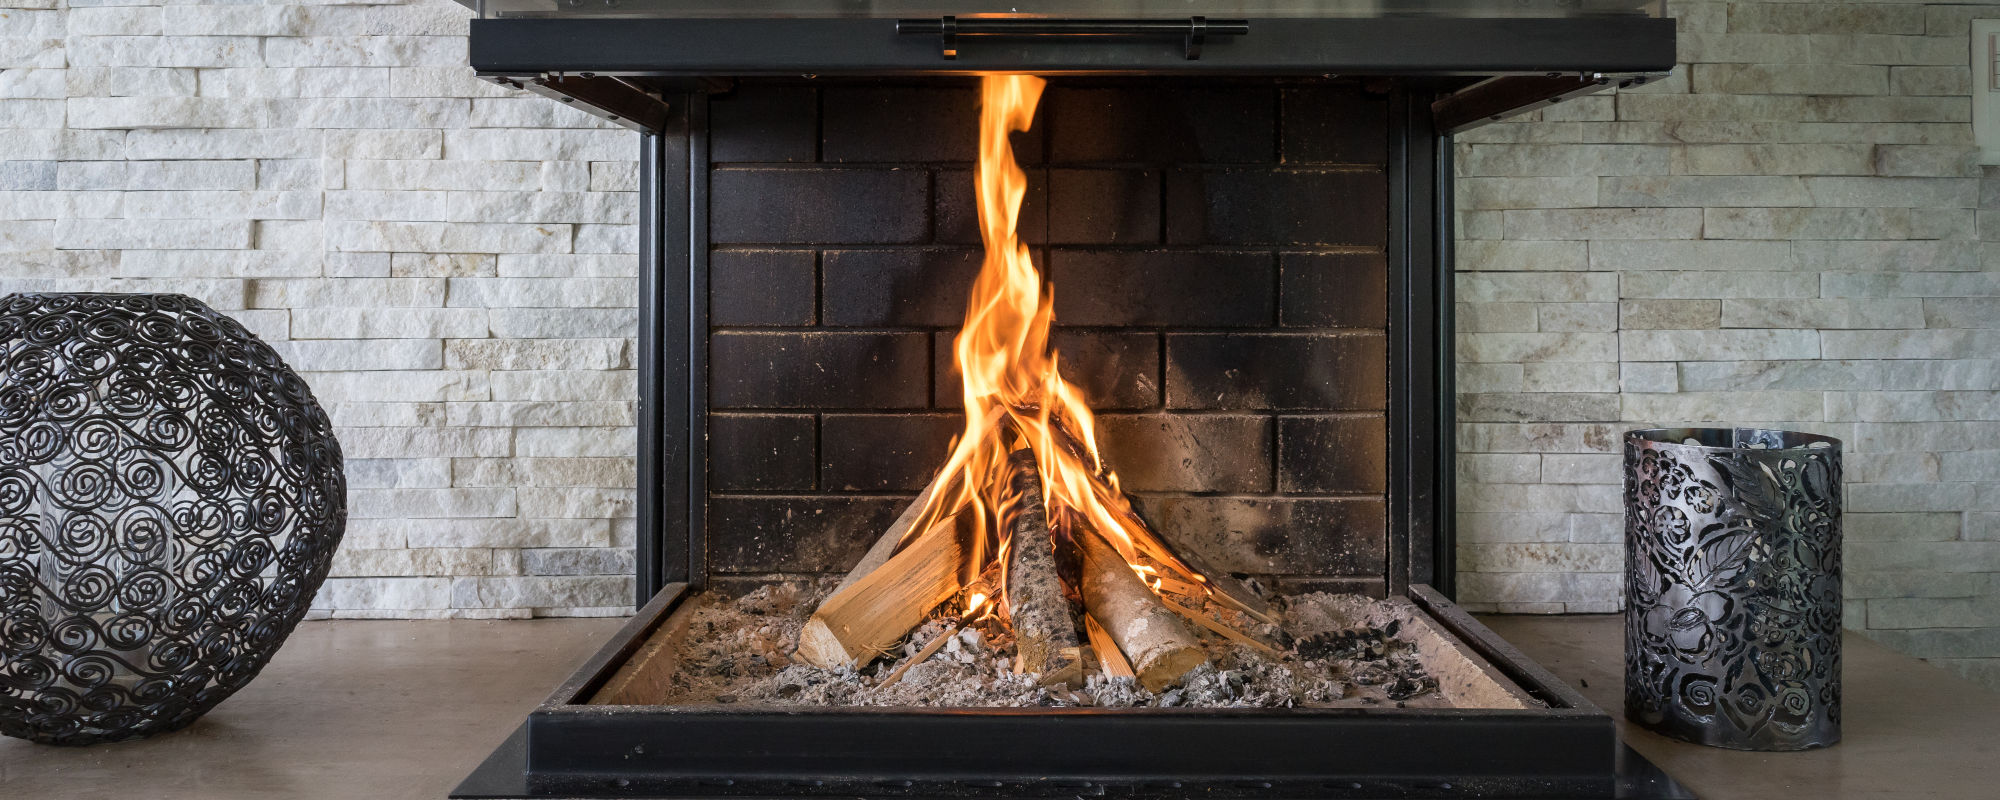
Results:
x,y
1217,256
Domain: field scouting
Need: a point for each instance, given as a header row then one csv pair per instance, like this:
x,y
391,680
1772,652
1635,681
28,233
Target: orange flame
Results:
x,y
1013,392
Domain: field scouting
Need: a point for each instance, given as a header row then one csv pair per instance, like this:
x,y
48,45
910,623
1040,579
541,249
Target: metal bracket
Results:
x,y
1193,30
619,100
1498,98
1197,36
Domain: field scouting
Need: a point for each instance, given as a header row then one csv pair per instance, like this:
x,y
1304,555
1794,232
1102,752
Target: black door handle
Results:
x,y
1194,30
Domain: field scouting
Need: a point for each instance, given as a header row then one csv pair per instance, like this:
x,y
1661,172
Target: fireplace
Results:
x,y
1248,244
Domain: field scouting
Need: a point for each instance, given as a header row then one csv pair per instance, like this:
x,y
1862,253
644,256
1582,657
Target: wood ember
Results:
x,y
736,651
1044,624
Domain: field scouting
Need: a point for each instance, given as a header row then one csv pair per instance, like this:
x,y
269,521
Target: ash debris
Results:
x,y
1347,651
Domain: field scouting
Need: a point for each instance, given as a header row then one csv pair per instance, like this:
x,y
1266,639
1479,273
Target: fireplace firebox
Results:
x,y
1246,223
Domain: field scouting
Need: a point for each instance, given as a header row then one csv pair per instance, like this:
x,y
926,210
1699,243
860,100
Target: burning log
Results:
x,y
820,644
1159,648
884,547
872,609
1044,629
1223,587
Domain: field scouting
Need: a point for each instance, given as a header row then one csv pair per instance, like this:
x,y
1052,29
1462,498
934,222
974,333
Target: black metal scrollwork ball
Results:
x,y
171,495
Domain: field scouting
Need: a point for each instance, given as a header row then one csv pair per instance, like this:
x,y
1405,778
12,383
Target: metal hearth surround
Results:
x,y
569,749
653,74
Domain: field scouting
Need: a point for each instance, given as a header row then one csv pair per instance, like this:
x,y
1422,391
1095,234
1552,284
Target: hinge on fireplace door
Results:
x,y
620,100
1498,98
1194,31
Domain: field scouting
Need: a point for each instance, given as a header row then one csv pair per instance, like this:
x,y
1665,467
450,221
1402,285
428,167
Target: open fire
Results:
x,y
1025,520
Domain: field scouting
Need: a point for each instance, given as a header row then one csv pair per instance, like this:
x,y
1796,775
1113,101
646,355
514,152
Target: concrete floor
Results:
x,y
387,710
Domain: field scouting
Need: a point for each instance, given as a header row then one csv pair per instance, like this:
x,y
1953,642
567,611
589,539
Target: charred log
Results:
x,y
1044,625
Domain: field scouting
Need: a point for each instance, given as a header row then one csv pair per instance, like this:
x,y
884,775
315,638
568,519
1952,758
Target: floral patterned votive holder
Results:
x,y
1732,586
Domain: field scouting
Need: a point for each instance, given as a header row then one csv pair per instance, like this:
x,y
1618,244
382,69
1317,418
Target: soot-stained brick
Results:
x,y
1102,206
806,205
888,288
901,124
1188,452
1333,454
1276,536
795,534
764,124
1317,372
884,452
1376,587
1117,370
1163,288
1333,290
760,287
760,452
958,208
1178,124
1277,207
818,370
1334,124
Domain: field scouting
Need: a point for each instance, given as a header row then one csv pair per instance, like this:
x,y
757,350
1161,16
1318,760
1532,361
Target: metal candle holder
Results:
x,y
171,495
1732,586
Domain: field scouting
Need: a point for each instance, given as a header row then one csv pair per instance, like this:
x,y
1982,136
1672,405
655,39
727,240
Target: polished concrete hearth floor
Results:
x,y
405,709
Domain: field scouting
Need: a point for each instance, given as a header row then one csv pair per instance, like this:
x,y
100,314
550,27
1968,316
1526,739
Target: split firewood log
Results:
x,y
877,603
1155,642
1109,657
850,629
1044,626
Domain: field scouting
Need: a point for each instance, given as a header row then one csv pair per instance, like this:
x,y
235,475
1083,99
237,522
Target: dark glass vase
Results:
x,y
171,495
1732,586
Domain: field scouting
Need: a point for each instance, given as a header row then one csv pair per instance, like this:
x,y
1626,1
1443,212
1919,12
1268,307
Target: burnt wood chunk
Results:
x,y
1044,627
1155,642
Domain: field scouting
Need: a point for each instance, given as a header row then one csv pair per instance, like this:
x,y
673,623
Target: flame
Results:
x,y
1013,392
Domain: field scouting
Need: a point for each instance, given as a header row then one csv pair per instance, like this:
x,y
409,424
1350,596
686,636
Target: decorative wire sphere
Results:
x,y
171,495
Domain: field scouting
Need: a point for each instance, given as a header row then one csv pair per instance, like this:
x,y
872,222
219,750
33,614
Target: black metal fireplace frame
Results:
x,y
653,75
